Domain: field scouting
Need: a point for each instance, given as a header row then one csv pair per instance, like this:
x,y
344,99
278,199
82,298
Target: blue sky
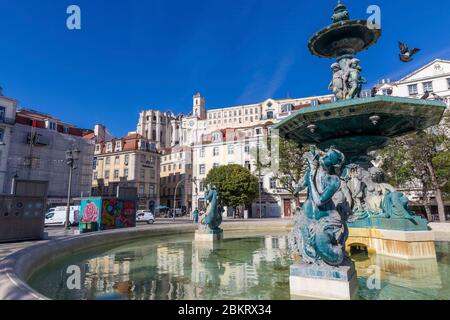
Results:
x,y
135,55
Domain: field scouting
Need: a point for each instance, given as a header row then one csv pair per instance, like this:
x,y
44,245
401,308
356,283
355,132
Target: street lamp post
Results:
x,y
175,197
71,157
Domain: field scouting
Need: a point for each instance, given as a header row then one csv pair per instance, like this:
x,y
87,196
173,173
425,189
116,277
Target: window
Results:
x,y
142,173
448,83
286,108
2,113
125,173
202,152
66,130
141,190
95,175
273,183
152,174
269,114
2,134
127,159
180,167
51,125
118,145
202,169
217,137
109,147
107,160
164,168
216,151
412,89
387,92
97,148
107,174
152,190
258,131
230,149
216,165
248,166
202,186
117,160
428,86
116,174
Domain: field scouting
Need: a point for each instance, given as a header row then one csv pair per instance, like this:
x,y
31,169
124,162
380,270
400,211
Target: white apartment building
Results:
x,y
7,121
231,136
433,78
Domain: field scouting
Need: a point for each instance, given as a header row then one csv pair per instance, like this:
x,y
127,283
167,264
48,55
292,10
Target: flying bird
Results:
x,y
406,54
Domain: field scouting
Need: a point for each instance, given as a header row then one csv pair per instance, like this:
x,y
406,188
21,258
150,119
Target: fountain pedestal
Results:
x,y
208,235
323,282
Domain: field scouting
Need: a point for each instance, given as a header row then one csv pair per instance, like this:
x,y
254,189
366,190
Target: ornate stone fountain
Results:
x,y
343,186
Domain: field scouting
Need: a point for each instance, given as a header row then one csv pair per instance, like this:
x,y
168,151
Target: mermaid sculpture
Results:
x,y
321,227
213,218
372,197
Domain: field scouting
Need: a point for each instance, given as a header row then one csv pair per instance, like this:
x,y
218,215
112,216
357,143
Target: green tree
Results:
x,y
235,184
423,157
292,164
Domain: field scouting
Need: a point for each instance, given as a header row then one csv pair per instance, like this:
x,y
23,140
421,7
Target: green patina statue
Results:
x,y
340,13
372,197
212,220
321,229
339,195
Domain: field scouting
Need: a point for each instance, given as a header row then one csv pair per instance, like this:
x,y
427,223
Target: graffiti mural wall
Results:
x,y
108,213
90,210
118,214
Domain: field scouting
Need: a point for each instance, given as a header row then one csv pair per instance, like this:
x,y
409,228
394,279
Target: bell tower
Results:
x,y
199,110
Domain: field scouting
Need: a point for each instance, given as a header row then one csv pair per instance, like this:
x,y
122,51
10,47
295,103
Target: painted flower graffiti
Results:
x,y
90,212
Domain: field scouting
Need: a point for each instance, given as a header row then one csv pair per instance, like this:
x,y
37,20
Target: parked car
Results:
x,y
57,216
145,216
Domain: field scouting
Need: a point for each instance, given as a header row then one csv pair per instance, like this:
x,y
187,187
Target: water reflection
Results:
x,y
400,279
174,270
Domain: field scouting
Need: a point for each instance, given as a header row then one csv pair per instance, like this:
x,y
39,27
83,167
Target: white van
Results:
x,y
57,216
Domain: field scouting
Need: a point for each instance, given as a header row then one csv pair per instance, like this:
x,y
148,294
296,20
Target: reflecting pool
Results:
x,y
241,267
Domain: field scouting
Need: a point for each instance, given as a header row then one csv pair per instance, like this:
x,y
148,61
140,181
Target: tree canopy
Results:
x,y
423,160
235,184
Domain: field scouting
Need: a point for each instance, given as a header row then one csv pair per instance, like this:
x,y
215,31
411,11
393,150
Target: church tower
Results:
x,y
199,110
